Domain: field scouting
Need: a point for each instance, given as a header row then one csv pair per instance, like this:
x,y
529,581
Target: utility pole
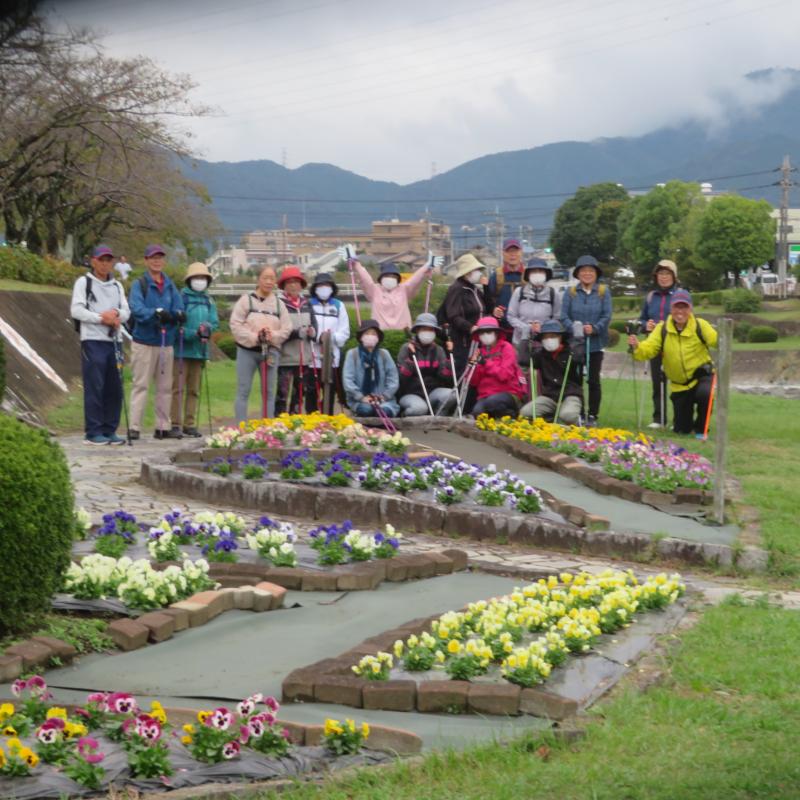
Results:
x,y
499,227
783,226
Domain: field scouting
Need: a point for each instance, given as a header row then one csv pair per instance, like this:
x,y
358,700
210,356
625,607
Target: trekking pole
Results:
x,y
318,390
532,373
588,355
640,406
635,393
208,392
264,354
468,373
350,263
384,417
180,379
711,397
428,293
121,369
563,386
301,405
162,351
453,370
662,388
422,382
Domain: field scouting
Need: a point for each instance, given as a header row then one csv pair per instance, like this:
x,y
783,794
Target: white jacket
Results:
x,y
331,316
103,296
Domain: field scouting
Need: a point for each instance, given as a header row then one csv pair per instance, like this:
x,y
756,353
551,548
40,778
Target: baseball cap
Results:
x,y
511,243
102,250
681,296
154,250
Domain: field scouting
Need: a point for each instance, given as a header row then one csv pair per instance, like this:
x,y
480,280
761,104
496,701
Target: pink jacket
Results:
x,y
498,371
390,309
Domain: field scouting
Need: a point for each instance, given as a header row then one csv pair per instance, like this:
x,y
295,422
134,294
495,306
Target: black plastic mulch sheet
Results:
x,y
46,781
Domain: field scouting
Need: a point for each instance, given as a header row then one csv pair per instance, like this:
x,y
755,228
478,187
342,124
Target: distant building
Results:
x,y
413,238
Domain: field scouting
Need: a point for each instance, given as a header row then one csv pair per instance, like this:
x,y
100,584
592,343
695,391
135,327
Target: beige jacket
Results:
x,y
252,313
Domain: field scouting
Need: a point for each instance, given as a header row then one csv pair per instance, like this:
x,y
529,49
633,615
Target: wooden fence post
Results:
x,y
725,331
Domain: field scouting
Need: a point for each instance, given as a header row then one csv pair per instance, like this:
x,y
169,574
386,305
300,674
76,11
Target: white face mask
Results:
x,y
389,282
475,276
198,284
551,343
369,341
487,338
323,292
426,337
536,278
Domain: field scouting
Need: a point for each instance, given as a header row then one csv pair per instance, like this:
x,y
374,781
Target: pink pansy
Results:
x,y
246,707
87,748
122,703
148,727
221,719
98,699
230,750
256,727
271,703
244,734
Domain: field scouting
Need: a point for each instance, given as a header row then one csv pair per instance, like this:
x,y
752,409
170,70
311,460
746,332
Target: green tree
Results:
x,y
694,272
736,233
654,217
587,223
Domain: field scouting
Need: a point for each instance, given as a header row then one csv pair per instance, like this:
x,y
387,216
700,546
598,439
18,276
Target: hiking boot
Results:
x,y
656,426
192,432
162,434
114,439
98,440
175,433
134,435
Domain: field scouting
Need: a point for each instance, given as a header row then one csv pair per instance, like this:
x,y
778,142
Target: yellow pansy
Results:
x,y
57,713
6,711
188,728
365,730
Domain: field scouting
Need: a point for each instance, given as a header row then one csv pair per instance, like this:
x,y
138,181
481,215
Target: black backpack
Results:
x,y
76,323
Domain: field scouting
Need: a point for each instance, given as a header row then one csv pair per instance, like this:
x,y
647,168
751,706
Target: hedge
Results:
x,y
762,333
2,369
741,301
36,522
19,264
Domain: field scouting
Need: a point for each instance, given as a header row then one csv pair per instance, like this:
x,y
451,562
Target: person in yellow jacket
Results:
x,y
683,341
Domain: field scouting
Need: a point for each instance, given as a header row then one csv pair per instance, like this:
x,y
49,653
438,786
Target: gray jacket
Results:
x,y
529,304
87,306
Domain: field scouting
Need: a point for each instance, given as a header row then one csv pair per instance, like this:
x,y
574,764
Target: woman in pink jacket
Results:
x,y
497,378
389,297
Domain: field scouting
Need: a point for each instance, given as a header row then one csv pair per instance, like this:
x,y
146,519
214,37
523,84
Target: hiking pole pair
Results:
x,y
532,375
384,417
204,342
563,387
120,356
412,349
180,316
264,381
449,341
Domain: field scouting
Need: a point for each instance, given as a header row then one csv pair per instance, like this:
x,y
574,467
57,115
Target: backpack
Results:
x,y
697,329
144,286
536,300
601,290
252,310
76,323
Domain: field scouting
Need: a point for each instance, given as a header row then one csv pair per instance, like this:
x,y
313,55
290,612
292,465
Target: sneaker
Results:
x,y
192,432
656,426
591,422
699,436
175,433
133,435
96,440
161,434
114,439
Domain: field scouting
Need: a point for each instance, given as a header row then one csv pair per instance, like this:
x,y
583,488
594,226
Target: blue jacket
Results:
x,y
200,308
353,377
146,329
656,305
588,309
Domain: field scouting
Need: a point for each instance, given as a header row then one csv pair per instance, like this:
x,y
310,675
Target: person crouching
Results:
x,y
558,363
433,365
499,383
369,375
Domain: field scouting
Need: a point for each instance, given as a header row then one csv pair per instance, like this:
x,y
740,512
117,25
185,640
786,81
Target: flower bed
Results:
x,y
309,431
660,466
110,739
444,481
511,641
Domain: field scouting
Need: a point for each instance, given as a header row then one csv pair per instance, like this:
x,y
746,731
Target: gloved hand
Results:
x,y
163,316
180,317
433,261
203,331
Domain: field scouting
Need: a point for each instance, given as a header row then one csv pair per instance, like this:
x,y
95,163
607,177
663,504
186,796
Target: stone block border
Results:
x,y
305,501
204,455
571,688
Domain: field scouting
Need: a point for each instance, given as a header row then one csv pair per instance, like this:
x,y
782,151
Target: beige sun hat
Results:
x,y
665,263
466,264
198,270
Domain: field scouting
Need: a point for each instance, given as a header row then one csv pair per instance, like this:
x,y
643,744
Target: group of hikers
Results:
x,y
503,342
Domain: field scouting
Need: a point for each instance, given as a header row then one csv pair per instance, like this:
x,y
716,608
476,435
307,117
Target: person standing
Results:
x,y
533,303
260,324
504,280
122,268
654,310
683,341
433,365
369,374
390,297
201,321
467,300
295,374
99,308
157,311
586,310
331,321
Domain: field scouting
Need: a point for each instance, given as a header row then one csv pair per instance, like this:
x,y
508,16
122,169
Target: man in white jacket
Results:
x,y
330,320
99,308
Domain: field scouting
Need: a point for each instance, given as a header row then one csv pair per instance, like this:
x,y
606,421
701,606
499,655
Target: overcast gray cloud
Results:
x,y
388,89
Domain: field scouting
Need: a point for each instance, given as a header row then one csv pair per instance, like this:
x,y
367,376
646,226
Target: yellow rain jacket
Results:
x,y
683,352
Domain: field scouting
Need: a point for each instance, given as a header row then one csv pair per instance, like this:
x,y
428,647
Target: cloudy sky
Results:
x,y
393,90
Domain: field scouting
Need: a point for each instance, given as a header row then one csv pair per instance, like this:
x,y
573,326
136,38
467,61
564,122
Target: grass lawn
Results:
x,y
9,285
723,725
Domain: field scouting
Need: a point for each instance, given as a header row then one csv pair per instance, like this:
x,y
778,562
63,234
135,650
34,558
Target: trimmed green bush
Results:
x,y
762,333
741,301
613,337
19,264
741,330
226,343
618,325
36,522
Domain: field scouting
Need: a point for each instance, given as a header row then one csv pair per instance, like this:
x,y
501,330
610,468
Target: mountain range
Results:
x,y
524,186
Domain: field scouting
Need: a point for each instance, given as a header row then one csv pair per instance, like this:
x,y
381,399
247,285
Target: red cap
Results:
x,y
289,273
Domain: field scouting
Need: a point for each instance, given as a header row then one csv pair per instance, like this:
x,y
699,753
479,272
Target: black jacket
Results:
x,y
551,368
